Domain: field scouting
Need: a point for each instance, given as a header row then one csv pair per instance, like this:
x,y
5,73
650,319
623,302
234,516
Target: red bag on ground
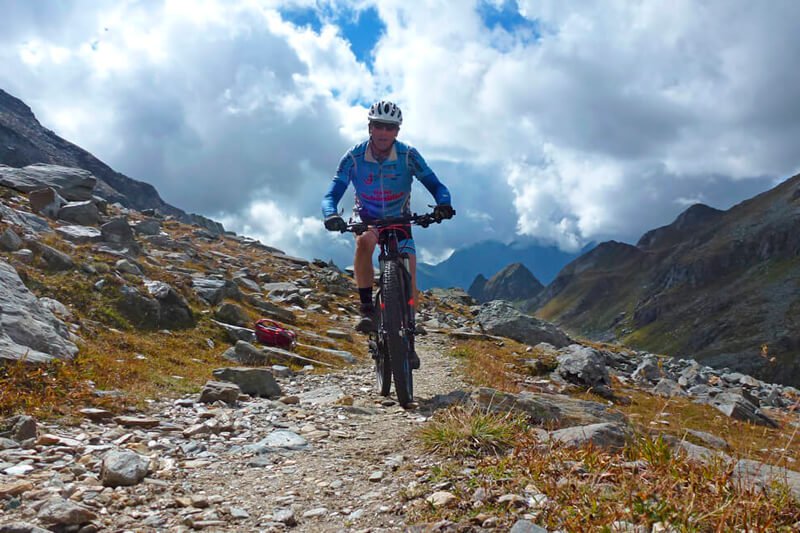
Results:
x,y
271,333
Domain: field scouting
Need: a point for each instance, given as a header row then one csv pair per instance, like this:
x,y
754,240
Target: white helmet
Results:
x,y
385,111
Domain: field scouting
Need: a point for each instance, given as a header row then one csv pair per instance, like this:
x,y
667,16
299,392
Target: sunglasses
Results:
x,y
384,126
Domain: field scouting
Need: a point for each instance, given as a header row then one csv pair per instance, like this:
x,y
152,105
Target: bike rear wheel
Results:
x,y
393,322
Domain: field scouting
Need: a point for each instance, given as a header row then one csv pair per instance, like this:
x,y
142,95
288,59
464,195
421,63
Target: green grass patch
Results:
x,y
471,433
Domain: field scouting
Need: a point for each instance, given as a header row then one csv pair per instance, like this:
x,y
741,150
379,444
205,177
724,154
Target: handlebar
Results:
x,y
414,219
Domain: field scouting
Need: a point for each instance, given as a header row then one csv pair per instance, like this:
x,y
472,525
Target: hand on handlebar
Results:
x,y
443,212
335,223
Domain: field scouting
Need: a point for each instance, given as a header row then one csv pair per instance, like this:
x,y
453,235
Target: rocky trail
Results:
x,y
330,455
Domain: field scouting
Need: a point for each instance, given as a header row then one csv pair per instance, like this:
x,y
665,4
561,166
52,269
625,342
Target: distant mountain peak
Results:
x,y
514,282
476,288
696,216
487,257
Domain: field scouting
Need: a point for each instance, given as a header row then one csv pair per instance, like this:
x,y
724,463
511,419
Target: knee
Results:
x,y
365,243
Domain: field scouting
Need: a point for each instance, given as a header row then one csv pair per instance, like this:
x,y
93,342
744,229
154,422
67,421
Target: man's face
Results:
x,y
383,134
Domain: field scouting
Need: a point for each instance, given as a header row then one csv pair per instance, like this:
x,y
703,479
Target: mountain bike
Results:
x,y
393,341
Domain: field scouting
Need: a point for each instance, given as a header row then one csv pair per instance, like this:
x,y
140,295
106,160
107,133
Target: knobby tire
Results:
x,y
395,334
383,366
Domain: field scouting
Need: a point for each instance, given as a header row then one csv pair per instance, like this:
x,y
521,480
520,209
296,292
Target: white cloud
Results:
x,y
480,216
294,234
434,257
603,126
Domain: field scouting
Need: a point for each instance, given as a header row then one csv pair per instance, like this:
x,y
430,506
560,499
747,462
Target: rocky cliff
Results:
x,y
722,285
24,141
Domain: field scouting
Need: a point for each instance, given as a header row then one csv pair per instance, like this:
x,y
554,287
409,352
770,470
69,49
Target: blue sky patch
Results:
x,y
303,17
362,28
508,18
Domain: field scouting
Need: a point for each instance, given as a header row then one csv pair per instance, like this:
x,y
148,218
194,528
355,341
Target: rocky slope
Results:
x,y
24,141
513,283
170,417
721,285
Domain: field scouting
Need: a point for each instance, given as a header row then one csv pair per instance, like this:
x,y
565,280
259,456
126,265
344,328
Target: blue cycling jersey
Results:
x,y
383,189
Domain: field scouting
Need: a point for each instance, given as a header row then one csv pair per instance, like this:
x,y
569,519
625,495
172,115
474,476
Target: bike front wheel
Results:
x,y
383,368
393,327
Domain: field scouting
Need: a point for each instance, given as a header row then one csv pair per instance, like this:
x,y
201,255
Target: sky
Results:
x,y
558,122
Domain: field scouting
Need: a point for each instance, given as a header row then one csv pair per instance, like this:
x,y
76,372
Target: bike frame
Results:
x,y
391,336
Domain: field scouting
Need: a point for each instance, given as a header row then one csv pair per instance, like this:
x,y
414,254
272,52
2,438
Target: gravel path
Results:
x,y
349,478
330,455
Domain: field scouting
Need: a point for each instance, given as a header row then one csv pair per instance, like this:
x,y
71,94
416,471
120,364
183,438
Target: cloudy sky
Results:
x,y
561,121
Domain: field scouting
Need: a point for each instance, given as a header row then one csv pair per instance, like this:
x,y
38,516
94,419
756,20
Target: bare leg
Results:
x,y
362,263
412,263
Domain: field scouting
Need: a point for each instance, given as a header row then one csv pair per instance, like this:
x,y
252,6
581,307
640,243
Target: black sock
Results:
x,y
365,295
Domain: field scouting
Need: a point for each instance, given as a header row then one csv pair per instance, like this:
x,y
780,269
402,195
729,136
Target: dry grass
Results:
x,y
587,489
114,355
45,390
676,415
492,363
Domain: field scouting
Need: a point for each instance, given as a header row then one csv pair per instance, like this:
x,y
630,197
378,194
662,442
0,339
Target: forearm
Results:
x,y
437,189
330,201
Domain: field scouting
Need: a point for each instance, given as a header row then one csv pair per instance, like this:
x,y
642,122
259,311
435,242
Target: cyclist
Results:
x,y
381,171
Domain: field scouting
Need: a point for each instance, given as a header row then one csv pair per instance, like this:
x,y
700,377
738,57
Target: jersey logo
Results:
x,y
368,179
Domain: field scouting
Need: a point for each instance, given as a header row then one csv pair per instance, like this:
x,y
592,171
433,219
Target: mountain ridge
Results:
x,y
489,257
25,141
719,284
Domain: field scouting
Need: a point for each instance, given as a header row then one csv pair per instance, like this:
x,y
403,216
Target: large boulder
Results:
x,y
117,231
270,309
162,308
46,202
138,309
213,291
174,312
80,234
245,353
605,436
19,428
123,468
252,381
54,259
59,513
84,213
753,474
71,183
736,405
582,366
10,241
550,409
230,313
235,333
215,391
149,226
501,318
27,329
648,371
31,224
